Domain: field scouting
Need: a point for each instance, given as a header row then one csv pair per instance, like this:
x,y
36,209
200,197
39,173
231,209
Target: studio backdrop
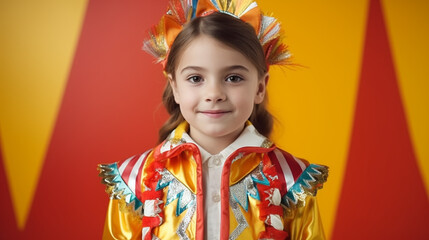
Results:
x,y
77,90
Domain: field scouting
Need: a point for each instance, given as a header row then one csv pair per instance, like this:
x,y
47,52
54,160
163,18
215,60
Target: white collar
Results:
x,y
249,137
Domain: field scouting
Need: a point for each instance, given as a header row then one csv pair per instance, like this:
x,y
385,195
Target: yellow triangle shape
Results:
x,y
37,45
407,24
314,104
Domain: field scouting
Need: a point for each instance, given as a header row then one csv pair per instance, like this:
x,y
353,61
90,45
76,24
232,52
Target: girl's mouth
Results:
x,y
215,113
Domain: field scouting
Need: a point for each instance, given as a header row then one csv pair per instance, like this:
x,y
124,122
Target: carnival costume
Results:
x,y
265,192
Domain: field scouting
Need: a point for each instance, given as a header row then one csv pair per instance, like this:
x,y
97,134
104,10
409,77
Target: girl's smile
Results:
x,y
217,88
214,113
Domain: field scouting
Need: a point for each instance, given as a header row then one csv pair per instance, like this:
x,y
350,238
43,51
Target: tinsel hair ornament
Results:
x,y
180,12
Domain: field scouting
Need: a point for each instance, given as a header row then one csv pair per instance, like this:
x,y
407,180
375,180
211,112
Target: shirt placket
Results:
x,y
213,180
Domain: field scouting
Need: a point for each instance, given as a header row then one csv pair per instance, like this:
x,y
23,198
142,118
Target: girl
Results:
x,y
215,174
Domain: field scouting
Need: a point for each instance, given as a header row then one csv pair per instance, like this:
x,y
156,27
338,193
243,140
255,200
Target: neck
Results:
x,y
214,144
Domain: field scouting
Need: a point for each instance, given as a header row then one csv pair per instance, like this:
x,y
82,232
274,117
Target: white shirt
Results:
x,y
212,175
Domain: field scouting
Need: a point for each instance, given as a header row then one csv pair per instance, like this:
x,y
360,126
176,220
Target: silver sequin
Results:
x,y
176,189
242,223
259,176
173,191
239,192
240,155
247,187
181,230
186,198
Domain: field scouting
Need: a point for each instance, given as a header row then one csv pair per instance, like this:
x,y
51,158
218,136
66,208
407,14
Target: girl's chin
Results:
x,y
219,132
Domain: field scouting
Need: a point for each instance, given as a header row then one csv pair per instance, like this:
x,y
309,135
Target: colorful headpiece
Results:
x,y
180,12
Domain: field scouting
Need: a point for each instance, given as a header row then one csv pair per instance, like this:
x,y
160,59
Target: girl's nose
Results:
x,y
215,92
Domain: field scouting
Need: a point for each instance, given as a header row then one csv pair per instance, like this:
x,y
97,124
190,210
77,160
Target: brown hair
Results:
x,y
232,32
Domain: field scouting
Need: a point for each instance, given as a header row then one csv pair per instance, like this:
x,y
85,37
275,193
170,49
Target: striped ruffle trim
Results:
x,y
307,184
118,189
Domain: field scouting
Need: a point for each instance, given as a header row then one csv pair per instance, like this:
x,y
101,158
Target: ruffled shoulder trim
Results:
x,y
118,189
311,180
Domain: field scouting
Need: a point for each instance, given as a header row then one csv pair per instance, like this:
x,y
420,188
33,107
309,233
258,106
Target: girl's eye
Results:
x,y
234,79
195,79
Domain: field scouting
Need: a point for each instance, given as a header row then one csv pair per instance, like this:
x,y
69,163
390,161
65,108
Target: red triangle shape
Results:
x,y
383,195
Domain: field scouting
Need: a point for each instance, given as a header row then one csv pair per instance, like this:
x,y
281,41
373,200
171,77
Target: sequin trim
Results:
x,y
181,230
118,189
247,187
307,184
186,200
176,190
241,220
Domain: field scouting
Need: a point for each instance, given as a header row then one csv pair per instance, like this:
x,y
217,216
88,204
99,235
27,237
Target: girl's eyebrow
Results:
x,y
236,67
229,68
196,68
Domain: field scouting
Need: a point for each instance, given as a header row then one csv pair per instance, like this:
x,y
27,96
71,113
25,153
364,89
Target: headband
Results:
x,y
180,12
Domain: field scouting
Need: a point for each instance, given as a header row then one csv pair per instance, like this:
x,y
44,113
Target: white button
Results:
x,y
215,160
216,197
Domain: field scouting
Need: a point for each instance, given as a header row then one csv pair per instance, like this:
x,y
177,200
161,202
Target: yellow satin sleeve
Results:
x,y
120,224
305,223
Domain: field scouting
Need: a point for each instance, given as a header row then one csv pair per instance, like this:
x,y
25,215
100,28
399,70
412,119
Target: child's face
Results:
x,y
216,88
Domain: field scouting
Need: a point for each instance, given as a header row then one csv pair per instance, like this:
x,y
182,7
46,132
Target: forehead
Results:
x,y
209,53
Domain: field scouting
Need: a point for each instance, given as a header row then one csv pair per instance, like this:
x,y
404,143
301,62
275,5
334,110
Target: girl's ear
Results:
x,y
262,88
173,85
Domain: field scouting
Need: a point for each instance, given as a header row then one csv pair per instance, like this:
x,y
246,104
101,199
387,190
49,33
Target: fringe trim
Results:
x,y
118,189
308,183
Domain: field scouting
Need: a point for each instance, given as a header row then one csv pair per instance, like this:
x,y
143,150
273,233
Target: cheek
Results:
x,y
188,99
245,103
247,97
